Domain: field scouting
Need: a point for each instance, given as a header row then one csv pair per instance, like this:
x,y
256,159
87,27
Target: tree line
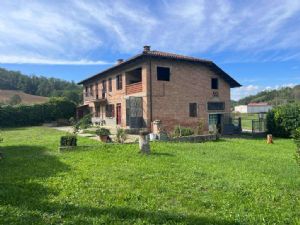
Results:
x,y
39,85
275,97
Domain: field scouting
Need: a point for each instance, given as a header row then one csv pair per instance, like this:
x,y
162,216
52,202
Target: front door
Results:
x,y
215,120
118,114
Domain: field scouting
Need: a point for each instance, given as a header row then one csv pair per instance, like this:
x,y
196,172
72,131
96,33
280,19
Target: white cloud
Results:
x,y
47,61
241,92
76,30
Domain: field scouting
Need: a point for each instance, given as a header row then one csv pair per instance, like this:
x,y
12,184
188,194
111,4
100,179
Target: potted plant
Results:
x,y
103,134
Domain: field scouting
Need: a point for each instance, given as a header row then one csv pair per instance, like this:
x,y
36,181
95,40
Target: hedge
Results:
x,y
26,115
283,120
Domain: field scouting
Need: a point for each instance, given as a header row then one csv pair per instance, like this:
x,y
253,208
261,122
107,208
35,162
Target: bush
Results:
x,y
68,140
102,132
283,120
86,121
183,131
26,115
200,126
121,135
296,136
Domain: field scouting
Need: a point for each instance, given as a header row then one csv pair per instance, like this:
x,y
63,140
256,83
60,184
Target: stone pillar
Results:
x,y
144,142
156,127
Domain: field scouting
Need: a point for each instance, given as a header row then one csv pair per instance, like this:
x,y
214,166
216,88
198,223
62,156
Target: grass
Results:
x,y
232,181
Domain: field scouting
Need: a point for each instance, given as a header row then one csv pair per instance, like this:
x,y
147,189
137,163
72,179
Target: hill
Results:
x,y
6,95
39,85
274,97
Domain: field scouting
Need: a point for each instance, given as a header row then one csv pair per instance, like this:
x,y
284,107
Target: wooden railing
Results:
x,y
134,88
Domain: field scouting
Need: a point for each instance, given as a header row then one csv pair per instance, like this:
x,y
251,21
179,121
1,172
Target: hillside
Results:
x,y
39,85
274,97
5,96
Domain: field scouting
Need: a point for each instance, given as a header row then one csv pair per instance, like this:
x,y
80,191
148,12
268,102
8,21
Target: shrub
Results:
x,y
283,120
75,125
26,115
182,131
102,132
121,135
86,121
296,135
200,126
68,140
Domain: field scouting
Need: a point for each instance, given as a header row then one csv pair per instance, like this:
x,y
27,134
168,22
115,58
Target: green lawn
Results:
x,y
232,181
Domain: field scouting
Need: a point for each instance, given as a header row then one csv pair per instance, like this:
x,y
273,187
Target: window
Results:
x,y
104,86
91,90
96,90
163,73
214,83
193,109
86,91
213,119
109,85
109,110
216,105
119,82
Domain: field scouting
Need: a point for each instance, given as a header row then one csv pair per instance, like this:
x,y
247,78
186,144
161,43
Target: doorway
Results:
x,y
215,122
119,116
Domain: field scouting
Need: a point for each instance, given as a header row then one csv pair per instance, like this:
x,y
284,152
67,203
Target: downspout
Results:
x,y
151,111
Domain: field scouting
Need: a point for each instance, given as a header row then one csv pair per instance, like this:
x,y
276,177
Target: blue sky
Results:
x,y
257,42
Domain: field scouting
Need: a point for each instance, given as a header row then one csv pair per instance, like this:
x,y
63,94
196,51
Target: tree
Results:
x,y
297,93
15,100
39,85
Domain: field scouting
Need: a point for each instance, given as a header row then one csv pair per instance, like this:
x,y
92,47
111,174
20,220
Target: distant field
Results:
x,y
5,95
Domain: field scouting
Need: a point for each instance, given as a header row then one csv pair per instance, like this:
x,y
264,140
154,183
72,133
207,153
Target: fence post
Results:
x,y
240,124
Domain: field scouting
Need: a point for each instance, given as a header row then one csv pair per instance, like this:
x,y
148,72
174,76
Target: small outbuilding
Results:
x,y
260,107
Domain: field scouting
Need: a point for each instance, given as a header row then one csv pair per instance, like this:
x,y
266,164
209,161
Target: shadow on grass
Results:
x,y
22,187
33,198
161,154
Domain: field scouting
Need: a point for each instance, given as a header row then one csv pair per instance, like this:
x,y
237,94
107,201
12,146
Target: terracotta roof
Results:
x,y
258,104
175,56
167,55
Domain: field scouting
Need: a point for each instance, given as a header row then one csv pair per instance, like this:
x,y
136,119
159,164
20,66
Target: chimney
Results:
x,y
146,48
119,61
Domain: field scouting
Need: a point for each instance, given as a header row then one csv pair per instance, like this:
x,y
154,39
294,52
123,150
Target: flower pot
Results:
x,y
103,138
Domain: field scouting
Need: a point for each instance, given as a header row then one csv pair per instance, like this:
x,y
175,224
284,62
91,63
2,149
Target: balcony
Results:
x,y
134,88
97,98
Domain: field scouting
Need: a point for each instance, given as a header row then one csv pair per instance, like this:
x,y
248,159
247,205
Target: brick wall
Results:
x,y
189,83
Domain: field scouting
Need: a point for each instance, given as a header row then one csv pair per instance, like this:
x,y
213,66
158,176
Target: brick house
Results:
x,y
154,85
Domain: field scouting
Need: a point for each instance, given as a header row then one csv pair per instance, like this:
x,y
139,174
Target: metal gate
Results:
x,y
134,112
259,125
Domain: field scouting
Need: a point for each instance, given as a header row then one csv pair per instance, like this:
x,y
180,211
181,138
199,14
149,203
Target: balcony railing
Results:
x,y
96,98
134,88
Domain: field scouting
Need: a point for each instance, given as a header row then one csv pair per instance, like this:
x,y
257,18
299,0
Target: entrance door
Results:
x,y
118,113
215,120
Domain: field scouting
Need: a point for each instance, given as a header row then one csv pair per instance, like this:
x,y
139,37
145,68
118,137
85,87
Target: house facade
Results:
x,y
154,85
